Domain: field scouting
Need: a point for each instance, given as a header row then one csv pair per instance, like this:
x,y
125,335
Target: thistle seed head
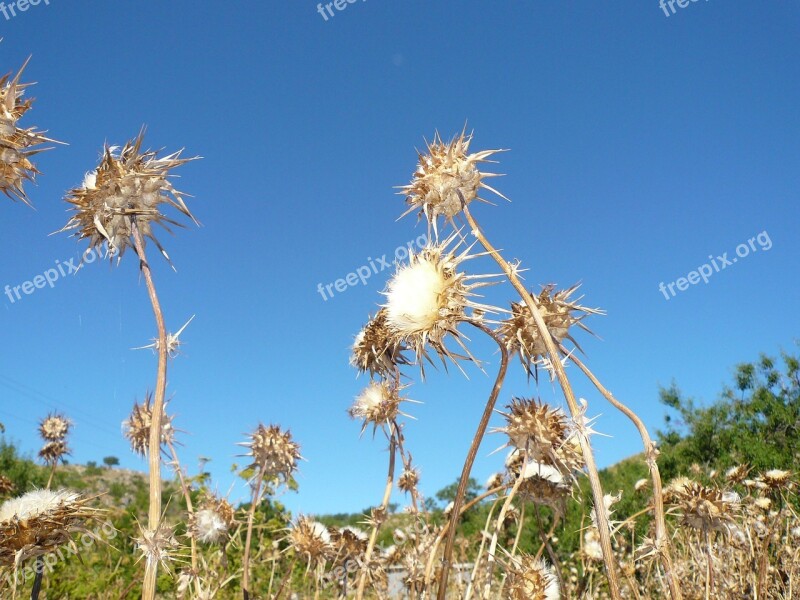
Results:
x,y
530,579
137,427
213,521
347,543
427,298
311,540
159,546
559,313
408,480
777,479
7,486
39,522
54,428
707,508
378,404
447,178
129,186
273,452
52,452
376,350
17,145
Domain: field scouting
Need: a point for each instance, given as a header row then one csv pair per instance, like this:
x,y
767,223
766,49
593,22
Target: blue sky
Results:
x,y
640,144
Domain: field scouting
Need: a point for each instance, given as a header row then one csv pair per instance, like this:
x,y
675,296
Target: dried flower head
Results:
x,y
376,350
737,474
447,178
378,404
311,540
7,486
707,508
54,428
428,297
159,546
348,543
592,549
543,432
39,522
52,452
212,522
641,485
17,145
545,485
559,312
137,426
273,452
776,479
128,187
408,480
495,480
530,579
173,344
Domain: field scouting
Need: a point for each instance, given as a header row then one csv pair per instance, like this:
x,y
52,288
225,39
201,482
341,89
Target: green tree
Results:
x,y
448,494
111,461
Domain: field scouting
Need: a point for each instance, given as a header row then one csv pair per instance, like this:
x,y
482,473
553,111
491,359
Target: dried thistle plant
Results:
x,y
559,312
377,405
17,145
427,298
447,178
310,540
376,349
39,522
273,453
130,185
530,578
213,521
54,428
136,428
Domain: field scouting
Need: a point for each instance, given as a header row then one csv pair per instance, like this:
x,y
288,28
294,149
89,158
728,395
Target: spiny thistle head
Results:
x,y
159,546
273,452
530,579
311,540
137,426
376,350
592,550
17,145
777,479
213,520
544,433
378,404
408,480
427,298
737,474
447,178
128,187
707,508
347,543
559,313
39,522
545,485
52,452
7,486
54,428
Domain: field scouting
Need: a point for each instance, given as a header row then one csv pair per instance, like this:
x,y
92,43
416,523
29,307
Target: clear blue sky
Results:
x,y
640,145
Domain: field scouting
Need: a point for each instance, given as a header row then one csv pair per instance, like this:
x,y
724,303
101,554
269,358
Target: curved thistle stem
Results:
x,y
255,501
154,454
387,493
575,411
651,454
470,460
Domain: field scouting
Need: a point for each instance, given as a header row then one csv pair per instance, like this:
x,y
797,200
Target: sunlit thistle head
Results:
x,y
136,428
559,313
310,540
777,479
212,522
52,452
376,350
427,298
129,186
545,485
707,508
158,546
39,522
530,578
54,428
273,453
447,178
408,480
347,543
378,404
17,145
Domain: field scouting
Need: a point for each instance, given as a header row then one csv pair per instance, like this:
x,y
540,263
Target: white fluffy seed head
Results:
x,y
34,504
414,298
209,526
